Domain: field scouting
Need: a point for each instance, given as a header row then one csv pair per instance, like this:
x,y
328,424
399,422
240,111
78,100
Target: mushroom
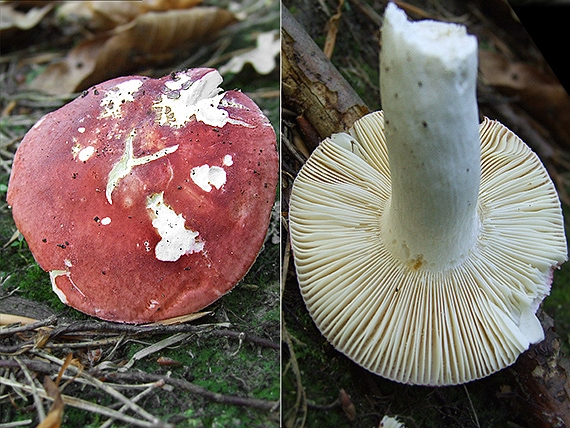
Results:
x,y
390,422
424,242
146,199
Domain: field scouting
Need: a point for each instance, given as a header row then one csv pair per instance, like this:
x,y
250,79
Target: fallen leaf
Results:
x,y
41,338
536,91
332,25
6,319
165,361
262,57
497,70
145,40
347,405
55,415
12,19
104,15
183,318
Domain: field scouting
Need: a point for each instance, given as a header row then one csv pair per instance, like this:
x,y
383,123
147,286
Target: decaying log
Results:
x,y
313,86
542,375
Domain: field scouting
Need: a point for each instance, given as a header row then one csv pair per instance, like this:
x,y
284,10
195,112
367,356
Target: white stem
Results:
x,y
428,85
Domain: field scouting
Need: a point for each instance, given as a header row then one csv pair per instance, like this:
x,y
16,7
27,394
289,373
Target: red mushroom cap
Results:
x,y
147,199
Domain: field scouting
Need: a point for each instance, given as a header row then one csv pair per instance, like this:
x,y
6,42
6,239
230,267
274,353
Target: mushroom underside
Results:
x,y
402,319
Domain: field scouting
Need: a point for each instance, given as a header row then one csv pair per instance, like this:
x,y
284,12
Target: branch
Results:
x,y
312,85
196,389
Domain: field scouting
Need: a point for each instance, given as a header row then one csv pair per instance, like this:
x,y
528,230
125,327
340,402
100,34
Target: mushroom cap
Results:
x,y
406,322
147,199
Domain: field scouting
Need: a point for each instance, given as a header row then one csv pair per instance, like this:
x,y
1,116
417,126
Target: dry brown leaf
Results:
x,y
6,319
41,338
499,71
12,19
347,405
144,41
55,415
183,318
104,15
332,25
537,92
69,360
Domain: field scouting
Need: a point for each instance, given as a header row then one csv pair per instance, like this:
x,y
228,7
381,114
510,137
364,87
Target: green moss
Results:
x,y
220,365
557,305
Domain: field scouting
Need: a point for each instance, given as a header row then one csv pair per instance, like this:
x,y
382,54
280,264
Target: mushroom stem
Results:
x,y
428,86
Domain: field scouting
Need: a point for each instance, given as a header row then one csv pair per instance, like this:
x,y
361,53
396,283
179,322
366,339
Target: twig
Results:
x,y
35,365
17,349
16,424
91,343
335,403
86,405
300,405
149,379
101,385
476,419
148,390
198,390
37,401
313,85
148,329
8,331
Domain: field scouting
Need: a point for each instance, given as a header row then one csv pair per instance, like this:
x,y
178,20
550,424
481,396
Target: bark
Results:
x,y
542,375
312,86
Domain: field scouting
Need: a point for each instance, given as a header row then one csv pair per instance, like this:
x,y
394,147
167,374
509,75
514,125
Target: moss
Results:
x,y
557,305
220,365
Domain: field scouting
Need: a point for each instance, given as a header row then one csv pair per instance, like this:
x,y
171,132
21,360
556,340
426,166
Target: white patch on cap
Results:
x,y
205,177
176,239
128,162
53,274
201,99
81,130
85,153
106,221
228,160
117,96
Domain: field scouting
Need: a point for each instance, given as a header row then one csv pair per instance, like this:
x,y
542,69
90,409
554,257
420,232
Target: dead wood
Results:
x,y
312,86
31,350
542,375
139,376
